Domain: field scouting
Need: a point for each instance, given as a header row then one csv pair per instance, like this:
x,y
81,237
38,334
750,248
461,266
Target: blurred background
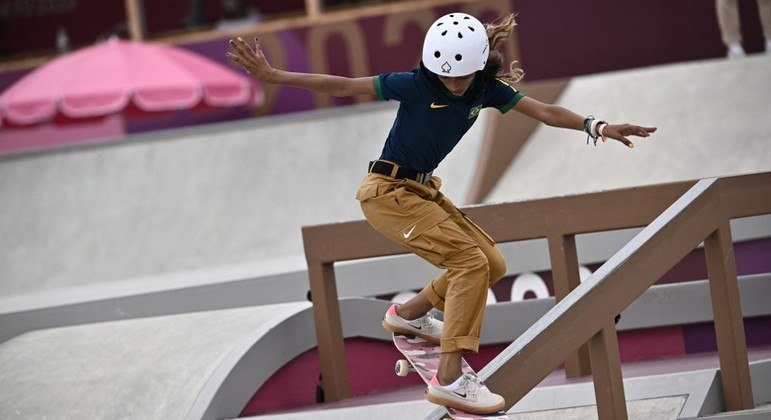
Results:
x,y
151,193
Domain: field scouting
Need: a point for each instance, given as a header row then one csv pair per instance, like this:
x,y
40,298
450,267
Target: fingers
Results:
x,y
626,142
619,133
243,49
633,130
639,131
238,60
242,52
643,131
240,47
244,46
257,46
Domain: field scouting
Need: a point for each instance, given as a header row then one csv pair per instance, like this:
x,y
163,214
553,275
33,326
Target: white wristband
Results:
x,y
593,128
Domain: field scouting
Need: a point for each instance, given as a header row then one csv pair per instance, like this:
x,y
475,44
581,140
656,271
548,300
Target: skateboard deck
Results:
x,y
423,358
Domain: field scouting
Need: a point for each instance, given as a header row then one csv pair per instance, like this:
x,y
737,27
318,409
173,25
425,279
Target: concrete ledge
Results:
x,y
276,282
21,315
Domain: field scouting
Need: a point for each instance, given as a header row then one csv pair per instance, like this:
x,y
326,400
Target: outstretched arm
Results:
x,y
255,63
557,116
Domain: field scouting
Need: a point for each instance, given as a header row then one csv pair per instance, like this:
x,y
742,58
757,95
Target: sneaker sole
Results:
x,y
458,405
397,330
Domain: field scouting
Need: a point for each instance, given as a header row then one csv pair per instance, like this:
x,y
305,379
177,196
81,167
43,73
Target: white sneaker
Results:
x,y
465,394
735,51
426,327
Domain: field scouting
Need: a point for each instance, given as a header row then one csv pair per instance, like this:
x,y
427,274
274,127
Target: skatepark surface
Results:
x,y
558,397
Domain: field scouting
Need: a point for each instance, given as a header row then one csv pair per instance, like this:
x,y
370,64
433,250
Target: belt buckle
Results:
x,y
424,178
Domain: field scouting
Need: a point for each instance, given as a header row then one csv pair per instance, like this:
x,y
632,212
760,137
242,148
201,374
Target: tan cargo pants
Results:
x,y
728,18
426,223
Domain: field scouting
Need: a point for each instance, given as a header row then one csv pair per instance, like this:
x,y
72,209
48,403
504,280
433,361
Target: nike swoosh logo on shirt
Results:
x,y
436,106
407,234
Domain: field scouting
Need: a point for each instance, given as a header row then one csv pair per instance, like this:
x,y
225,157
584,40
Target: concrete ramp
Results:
x,y
153,368
711,118
203,365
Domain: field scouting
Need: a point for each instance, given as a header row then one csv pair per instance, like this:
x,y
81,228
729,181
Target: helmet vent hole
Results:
x,y
444,33
466,17
458,57
437,54
452,16
460,35
470,28
440,24
455,23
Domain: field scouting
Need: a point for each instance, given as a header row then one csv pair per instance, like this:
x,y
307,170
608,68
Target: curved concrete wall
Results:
x,y
153,368
203,365
191,199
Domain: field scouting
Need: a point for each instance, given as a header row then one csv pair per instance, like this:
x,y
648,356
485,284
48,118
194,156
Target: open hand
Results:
x,y
253,61
621,131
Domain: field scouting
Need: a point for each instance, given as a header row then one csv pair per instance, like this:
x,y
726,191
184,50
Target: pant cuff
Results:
x,y
451,345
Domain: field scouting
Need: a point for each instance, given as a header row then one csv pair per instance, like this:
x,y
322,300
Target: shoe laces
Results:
x,y
468,385
426,320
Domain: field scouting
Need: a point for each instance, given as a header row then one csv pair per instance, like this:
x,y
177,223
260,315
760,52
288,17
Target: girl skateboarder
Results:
x,y
460,73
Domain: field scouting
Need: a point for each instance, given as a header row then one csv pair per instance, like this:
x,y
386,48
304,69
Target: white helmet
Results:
x,y
455,45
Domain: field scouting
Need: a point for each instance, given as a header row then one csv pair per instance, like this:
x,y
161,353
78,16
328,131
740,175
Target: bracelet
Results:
x,y
602,127
590,128
593,127
587,124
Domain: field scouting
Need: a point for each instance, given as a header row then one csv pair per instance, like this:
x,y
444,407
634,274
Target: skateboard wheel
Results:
x,y
403,367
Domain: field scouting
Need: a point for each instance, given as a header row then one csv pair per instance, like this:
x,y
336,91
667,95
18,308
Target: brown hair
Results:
x,y
497,33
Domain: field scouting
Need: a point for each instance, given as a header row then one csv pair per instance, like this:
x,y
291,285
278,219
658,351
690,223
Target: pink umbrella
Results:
x,y
106,78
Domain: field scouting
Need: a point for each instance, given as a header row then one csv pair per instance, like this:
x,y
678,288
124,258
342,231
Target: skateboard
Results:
x,y
423,358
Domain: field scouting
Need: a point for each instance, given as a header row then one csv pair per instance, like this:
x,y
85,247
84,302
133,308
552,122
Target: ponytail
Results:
x,y
497,33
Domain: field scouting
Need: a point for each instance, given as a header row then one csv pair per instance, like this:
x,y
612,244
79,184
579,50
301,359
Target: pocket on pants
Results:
x,y
366,191
421,225
440,242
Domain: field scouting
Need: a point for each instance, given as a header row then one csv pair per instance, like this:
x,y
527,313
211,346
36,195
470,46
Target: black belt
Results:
x,y
393,170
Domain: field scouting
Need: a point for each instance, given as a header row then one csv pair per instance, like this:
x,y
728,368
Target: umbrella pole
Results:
x,y
135,17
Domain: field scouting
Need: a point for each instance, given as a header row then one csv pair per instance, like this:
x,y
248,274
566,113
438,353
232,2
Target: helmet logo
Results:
x,y
446,68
